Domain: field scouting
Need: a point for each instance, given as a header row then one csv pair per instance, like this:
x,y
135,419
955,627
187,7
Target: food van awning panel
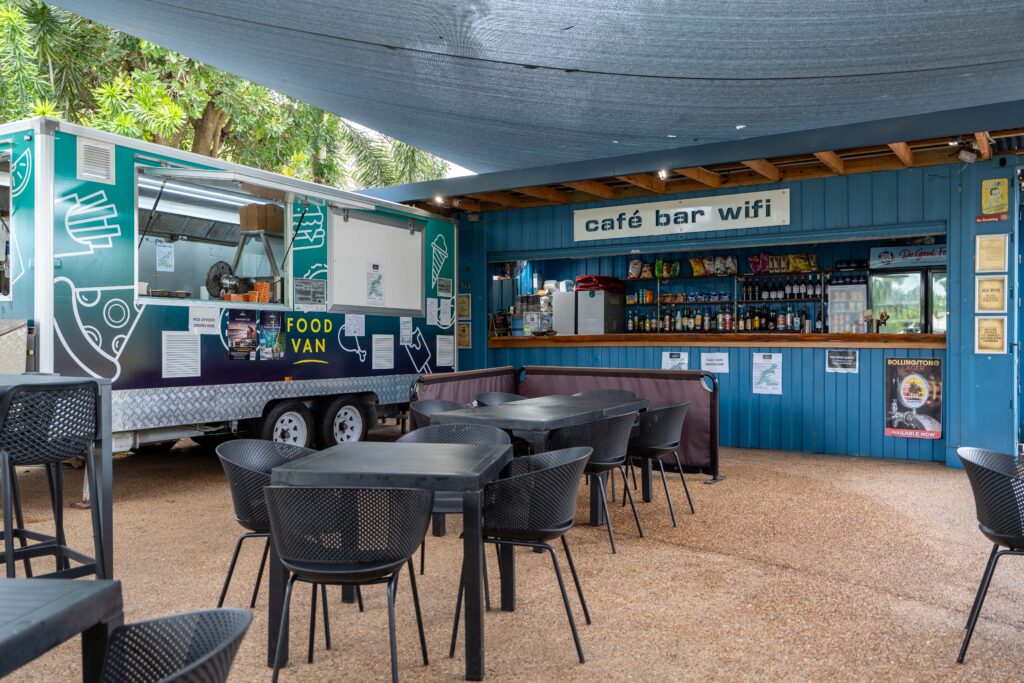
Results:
x,y
522,83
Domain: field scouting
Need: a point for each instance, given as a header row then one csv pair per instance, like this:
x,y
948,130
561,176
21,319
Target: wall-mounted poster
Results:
x,y
990,334
243,337
464,335
271,335
767,371
990,253
913,398
995,196
990,294
463,307
842,360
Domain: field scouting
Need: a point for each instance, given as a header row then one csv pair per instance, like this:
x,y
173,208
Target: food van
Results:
x,y
217,298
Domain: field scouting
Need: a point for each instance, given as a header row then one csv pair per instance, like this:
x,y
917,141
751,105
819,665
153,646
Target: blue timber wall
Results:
x,y
818,411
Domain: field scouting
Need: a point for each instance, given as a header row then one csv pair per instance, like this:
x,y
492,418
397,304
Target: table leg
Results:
x,y
472,566
596,510
94,648
645,479
507,571
275,605
105,475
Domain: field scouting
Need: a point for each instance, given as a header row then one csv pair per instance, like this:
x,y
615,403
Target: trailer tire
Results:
x,y
344,419
288,422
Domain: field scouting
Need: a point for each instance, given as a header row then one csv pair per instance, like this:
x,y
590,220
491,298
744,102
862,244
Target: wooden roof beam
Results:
x,y
592,187
652,183
501,199
832,160
765,168
903,151
984,144
702,176
547,193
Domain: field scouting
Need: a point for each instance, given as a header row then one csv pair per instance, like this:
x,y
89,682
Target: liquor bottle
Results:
x,y
721,319
817,286
764,290
756,321
728,320
740,323
666,323
678,326
817,322
698,321
629,323
789,289
748,322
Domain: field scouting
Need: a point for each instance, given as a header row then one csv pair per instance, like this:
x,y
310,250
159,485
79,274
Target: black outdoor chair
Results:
x,y
193,646
349,537
624,394
247,464
47,424
535,503
450,502
422,410
656,434
997,481
609,439
497,398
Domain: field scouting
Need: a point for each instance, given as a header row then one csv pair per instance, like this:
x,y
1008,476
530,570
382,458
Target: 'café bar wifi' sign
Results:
x,y
721,212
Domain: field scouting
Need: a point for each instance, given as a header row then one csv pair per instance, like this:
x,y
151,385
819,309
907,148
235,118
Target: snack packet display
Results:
x,y
645,272
675,269
798,263
697,265
731,265
635,266
812,261
709,264
720,265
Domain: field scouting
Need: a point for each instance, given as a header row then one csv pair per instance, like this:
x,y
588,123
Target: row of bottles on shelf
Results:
x,y
747,319
807,286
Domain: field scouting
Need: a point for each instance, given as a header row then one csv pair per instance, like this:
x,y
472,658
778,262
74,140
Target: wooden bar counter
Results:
x,y
727,339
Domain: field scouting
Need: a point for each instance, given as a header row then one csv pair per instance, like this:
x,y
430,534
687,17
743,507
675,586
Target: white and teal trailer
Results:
x,y
119,256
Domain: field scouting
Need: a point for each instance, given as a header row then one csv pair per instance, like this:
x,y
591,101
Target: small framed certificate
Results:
x,y
990,253
990,334
990,294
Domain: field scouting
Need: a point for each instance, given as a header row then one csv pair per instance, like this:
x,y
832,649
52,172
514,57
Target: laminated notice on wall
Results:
x,y
675,360
355,325
446,350
405,331
432,311
383,351
716,362
767,370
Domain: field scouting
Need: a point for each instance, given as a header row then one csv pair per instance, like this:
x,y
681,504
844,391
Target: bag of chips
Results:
x,y
731,265
798,263
709,264
645,272
635,266
812,261
719,265
697,265
675,269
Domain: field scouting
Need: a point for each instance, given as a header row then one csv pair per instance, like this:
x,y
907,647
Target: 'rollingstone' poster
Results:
x,y
913,397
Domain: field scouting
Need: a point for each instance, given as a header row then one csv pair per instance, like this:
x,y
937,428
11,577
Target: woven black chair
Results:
x,y
450,502
46,424
497,398
623,394
422,410
349,537
997,481
609,439
656,434
535,503
193,646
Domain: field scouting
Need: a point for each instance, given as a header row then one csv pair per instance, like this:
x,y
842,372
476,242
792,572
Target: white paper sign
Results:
x,y
675,360
165,257
768,373
715,362
355,325
383,352
375,284
432,311
842,360
446,350
721,212
405,331
203,320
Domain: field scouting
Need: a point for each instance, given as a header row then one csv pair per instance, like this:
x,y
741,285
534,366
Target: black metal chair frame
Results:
x,y
522,474
192,646
30,438
656,434
996,481
354,575
448,503
608,456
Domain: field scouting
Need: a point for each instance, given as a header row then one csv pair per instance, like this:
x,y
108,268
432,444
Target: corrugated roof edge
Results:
x,y
916,127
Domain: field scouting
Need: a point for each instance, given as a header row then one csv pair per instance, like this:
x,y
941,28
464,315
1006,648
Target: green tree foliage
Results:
x,y
55,63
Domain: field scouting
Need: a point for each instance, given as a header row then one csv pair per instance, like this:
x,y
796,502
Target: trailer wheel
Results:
x,y
343,420
288,422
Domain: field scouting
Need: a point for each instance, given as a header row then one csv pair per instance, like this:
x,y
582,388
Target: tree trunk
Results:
x,y
208,129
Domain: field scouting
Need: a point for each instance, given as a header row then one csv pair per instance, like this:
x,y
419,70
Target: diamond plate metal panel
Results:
x,y
173,406
13,346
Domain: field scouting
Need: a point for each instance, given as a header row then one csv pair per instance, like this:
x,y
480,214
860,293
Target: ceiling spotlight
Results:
x,y
663,174
740,126
438,199
953,143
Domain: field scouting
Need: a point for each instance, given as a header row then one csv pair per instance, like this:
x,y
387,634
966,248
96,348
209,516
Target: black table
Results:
x,y
103,459
534,418
435,467
36,615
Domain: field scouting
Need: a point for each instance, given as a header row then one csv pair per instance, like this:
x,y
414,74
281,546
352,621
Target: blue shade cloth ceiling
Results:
x,y
520,83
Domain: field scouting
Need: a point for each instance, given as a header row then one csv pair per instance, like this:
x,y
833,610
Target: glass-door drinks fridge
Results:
x,y
909,301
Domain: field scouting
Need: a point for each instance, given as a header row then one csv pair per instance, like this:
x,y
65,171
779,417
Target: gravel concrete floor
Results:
x,y
796,567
